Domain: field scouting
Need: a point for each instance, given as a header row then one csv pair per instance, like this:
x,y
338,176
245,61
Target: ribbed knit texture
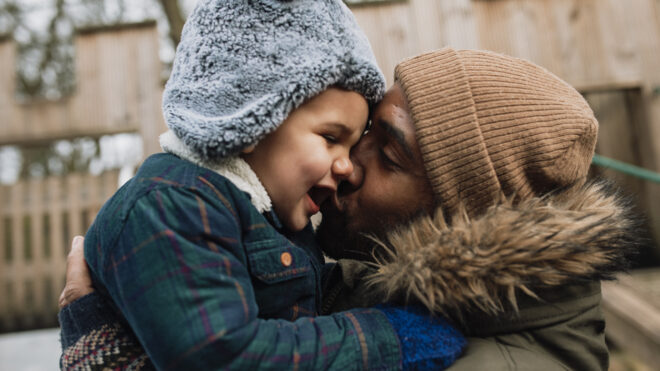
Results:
x,y
490,125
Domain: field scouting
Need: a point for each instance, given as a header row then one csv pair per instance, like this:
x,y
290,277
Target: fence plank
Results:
x,y
16,267
37,263
74,199
58,245
42,216
616,137
632,312
4,249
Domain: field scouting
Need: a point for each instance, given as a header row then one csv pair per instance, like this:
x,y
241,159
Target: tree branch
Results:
x,y
175,19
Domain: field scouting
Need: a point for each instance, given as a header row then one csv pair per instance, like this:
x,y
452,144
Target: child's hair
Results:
x,y
242,66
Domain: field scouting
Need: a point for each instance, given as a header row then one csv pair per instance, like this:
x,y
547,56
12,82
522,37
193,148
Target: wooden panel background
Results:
x,y
632,313
118,89
589,43
38,219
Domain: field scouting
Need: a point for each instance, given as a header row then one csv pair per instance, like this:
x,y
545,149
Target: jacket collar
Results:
x,y
485,265
551,306
233,168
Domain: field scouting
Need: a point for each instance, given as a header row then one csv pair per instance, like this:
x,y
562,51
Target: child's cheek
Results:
x,y
317,166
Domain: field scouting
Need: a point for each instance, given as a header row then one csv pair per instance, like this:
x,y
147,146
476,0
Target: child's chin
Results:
x,y
296,223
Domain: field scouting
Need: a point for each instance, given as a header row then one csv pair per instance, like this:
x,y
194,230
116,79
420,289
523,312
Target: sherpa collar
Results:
x,y
483,265
233,168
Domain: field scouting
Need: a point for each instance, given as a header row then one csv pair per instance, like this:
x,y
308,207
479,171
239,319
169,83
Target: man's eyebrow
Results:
x,y
399,136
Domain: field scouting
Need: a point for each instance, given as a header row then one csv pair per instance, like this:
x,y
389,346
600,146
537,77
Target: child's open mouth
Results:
x,y
316,196
312,205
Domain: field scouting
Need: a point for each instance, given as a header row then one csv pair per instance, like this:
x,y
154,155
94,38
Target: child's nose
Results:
x,y
342,167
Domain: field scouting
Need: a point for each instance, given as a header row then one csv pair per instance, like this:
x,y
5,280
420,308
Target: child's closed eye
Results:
x,y
330,138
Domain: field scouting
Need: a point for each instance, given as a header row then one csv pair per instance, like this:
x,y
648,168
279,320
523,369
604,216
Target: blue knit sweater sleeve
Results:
x,y
427,342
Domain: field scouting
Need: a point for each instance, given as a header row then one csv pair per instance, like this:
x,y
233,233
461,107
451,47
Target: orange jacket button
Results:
x,y
286,259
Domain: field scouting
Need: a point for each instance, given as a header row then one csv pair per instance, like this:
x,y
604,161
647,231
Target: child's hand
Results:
x,y
78,280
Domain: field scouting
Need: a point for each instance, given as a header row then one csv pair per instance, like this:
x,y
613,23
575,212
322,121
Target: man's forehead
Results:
x,y
394,100
393,119
394,112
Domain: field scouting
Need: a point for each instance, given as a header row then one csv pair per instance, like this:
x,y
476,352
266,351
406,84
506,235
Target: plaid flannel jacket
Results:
x,y
207,282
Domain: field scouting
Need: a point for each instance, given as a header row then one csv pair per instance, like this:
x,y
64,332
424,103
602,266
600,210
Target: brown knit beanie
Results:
x,y
490,125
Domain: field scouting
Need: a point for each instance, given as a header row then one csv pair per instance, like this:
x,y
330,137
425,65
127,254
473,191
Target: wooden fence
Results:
x,y
118,90
632,313
38,219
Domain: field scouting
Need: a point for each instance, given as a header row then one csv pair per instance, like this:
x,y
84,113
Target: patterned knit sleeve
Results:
x,y
93,337
178,276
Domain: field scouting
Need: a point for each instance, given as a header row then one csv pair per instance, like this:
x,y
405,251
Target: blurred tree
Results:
x,y
43,31
44,67
175,19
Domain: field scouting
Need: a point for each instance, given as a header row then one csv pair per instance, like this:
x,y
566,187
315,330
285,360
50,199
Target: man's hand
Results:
x,y
78,280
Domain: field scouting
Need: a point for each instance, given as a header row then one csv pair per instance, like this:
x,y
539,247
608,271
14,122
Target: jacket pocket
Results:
x,y
279,264
283,279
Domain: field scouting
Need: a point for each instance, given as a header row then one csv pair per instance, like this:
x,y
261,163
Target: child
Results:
x,y
265,100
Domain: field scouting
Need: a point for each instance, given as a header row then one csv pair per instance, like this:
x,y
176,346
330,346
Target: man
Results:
x,y
470,195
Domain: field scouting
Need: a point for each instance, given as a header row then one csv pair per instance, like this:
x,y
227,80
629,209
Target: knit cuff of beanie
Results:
x,y
447,128
427,342
490,125
82,316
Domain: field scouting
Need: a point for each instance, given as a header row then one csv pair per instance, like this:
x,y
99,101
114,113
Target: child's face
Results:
x,y
302,161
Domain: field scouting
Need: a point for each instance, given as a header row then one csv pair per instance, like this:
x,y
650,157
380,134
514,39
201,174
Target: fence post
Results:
x,y
4,251
58,246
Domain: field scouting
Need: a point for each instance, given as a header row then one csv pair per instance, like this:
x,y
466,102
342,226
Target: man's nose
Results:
x,y
356,176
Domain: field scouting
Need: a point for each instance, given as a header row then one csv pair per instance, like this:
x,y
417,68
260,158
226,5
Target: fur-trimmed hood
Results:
x,y
483,264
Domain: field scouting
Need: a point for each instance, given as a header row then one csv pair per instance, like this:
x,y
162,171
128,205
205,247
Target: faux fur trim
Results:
x,y
483,263
233,168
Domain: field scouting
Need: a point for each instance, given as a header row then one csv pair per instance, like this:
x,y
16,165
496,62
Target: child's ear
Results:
x,y
249,149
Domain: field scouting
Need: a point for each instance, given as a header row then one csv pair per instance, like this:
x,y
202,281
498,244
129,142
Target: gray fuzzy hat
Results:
x,y
242,66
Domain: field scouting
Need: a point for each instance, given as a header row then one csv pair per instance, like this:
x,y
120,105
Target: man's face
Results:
x,y
387,188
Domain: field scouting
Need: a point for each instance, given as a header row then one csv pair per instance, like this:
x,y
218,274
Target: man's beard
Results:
x,y
343,236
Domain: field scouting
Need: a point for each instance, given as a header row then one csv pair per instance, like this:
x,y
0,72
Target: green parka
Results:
x,y
521,281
